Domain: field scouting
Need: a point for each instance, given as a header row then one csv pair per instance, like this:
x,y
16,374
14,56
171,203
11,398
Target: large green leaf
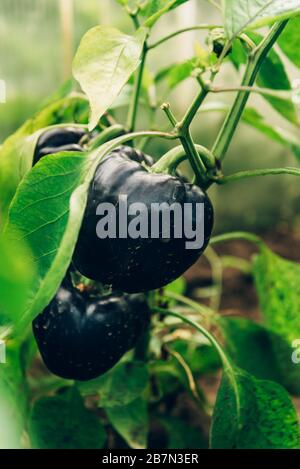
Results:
x,y
177,73
17,151
131,422
121,385
15,161
253,414
62,422
46,213
289,40
252,117
250,346
278,286
245,14
104,62
181,435
273,75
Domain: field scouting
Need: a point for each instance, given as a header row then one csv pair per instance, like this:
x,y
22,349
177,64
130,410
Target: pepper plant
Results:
x,y
47,169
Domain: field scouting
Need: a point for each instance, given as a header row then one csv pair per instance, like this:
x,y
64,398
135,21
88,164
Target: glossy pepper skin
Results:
x,y
58,140
136,265
81,338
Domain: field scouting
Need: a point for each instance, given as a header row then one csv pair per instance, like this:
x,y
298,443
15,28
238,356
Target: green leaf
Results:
x,y
15,161
46,213
202,359
17,151
62,422
119,386
244,14
131,422
154,9
177,286
257,121
181,435
276,133
289,40
253,414
278,287
16,273
177,73
104,62
238,55
273,75
250,347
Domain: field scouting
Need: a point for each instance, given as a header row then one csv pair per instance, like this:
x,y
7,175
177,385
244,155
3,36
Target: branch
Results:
x,y
255,173
255,61
181,31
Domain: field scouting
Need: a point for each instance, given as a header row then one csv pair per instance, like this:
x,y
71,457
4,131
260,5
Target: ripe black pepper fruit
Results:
x,y
218,47
142,264
81,338
57,140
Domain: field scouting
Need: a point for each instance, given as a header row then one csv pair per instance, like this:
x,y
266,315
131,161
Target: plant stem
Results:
x,y
257,172
256,59
279,94
186,139
169,113
181,31
194,158
193,109
226,363
132,114
203,310
106,135
252,238
169,162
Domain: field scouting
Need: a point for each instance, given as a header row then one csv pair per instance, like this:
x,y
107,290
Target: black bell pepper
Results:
x,y
57,140
142,264
81,337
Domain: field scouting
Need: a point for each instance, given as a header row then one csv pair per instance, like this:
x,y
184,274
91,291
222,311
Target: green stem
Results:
x,y
226,363
135,19
108,134
217,277
255,61
255,173
193,109
279,94
186,139
169,162
132,114
194,158
181,31
199,308
236,235
168,111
